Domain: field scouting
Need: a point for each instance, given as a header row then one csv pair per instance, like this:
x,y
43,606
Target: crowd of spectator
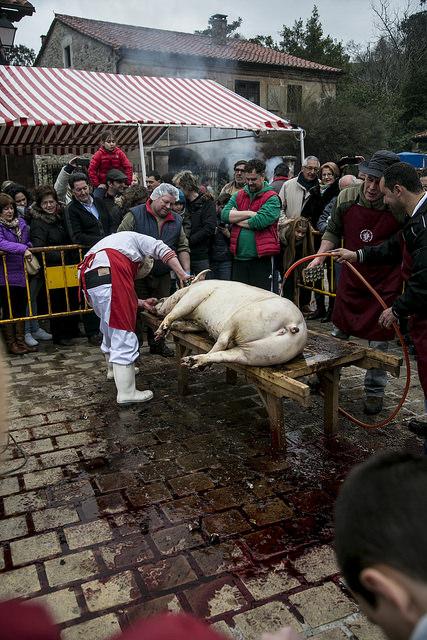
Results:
x,y
251,231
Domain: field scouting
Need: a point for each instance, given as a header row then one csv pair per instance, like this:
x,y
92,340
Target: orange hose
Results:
x,y
383,423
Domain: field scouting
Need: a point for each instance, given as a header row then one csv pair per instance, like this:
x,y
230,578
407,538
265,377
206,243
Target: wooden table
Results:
x,y
323,355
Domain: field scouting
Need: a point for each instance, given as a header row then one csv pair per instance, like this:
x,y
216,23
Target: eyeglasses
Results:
x,y
312,169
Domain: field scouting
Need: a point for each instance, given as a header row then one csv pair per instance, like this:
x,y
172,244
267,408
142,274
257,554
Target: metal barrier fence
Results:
x,y
53,278
64,277
327,284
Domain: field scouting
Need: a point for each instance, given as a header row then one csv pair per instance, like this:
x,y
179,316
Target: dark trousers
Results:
x,y
65,327
221,270
91,324
256,272
151,287
200,265
18,300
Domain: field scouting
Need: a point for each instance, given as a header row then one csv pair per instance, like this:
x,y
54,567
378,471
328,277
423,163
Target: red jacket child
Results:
x,y
108,156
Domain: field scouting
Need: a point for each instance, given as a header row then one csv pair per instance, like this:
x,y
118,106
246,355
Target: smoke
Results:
x,y
270,165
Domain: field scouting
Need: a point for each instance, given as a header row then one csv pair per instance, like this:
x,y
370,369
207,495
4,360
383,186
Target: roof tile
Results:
x,y
148,39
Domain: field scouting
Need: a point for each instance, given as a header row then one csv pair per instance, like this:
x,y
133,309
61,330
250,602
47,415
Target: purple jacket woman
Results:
x,y
14,243
14,253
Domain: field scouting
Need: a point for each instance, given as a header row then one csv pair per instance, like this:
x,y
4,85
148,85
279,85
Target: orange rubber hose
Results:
x,y
383,423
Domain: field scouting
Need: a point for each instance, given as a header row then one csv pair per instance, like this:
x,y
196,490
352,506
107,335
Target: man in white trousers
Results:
x,y
107,276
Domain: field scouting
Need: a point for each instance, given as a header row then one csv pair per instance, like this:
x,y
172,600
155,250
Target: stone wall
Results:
x,y
86,53
273,84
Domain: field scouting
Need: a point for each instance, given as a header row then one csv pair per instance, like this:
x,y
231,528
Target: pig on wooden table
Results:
x,y
251,326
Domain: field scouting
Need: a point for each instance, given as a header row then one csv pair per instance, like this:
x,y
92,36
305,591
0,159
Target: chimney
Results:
x,y
219,29
43,38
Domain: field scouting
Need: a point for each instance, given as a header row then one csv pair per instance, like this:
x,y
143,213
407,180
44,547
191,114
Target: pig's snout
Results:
x,y
294,329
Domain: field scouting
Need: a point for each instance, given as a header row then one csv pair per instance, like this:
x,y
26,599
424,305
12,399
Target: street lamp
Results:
x,y
7,32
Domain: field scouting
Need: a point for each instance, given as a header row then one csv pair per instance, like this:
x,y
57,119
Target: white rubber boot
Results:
x,y
124,377
110,373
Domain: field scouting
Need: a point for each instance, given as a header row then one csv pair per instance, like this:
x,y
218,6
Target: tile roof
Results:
x,y
148,39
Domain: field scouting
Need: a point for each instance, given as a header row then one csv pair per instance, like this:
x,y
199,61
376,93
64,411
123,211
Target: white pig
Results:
x,y
251,326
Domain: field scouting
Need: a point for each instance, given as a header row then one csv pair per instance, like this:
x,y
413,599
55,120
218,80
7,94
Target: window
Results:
x,y
294,98
67,56
248,90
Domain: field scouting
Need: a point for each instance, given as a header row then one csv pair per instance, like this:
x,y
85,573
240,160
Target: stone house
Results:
x,y
276,81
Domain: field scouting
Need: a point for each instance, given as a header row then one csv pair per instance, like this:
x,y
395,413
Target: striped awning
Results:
x,y
63,111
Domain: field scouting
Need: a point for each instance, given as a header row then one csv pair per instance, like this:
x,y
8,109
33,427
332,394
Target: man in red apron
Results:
x,y
403,192
107,276
362,219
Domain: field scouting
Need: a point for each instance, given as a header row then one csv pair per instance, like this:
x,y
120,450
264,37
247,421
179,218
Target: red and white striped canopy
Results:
x,y
63,110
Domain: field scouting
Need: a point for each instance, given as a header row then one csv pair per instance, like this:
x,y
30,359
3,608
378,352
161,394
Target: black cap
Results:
x,y
379,162
116,174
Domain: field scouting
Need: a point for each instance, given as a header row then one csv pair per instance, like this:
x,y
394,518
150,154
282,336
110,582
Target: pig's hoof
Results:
x,y
188,361
193,362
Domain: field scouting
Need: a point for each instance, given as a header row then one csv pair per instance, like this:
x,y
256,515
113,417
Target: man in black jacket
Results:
x,y
202,213
403,193
88,221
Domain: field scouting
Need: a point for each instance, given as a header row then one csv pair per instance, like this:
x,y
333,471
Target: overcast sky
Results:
x,y
342,19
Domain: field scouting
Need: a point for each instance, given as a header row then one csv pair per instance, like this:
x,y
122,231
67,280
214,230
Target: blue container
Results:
x,y
418,160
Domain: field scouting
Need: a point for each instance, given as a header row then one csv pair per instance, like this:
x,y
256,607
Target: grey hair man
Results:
x,y
296,191
155,218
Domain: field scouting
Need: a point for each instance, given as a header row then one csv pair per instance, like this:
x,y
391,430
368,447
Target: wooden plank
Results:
x,y
377,359
182,372
276,418
275,383
330,386
230,376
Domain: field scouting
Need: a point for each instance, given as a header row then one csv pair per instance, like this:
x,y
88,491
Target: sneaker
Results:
x,y
29,340
373,405
419,427
41,334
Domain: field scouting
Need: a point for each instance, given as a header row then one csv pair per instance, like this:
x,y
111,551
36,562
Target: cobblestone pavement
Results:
x,y
177,504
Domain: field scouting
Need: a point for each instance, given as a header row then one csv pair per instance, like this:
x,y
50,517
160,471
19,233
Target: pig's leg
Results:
x,y
236,355
183,308
186,326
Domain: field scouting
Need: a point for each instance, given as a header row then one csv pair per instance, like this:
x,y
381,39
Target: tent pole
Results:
x,y
141,156
301,143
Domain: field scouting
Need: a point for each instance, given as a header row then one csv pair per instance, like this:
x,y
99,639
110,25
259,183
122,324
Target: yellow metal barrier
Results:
x,y
331,288
54,278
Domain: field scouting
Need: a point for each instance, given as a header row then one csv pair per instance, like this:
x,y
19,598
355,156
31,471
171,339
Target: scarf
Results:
x,y
14,227
49,218
307,184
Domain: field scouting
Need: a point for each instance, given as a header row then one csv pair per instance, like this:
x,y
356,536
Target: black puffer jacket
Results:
x,y
317,201
203,223
49,231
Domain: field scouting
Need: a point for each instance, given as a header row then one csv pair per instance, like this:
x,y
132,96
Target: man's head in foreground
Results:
x,y
380,540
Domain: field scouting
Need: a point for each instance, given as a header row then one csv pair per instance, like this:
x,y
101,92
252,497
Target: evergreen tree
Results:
x,y
231,28
310,43
20,55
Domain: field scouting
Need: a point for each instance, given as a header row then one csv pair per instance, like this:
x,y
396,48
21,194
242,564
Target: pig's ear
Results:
x,y
201,276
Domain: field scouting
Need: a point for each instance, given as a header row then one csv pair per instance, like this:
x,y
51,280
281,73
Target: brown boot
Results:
x,y
10,340
20,338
